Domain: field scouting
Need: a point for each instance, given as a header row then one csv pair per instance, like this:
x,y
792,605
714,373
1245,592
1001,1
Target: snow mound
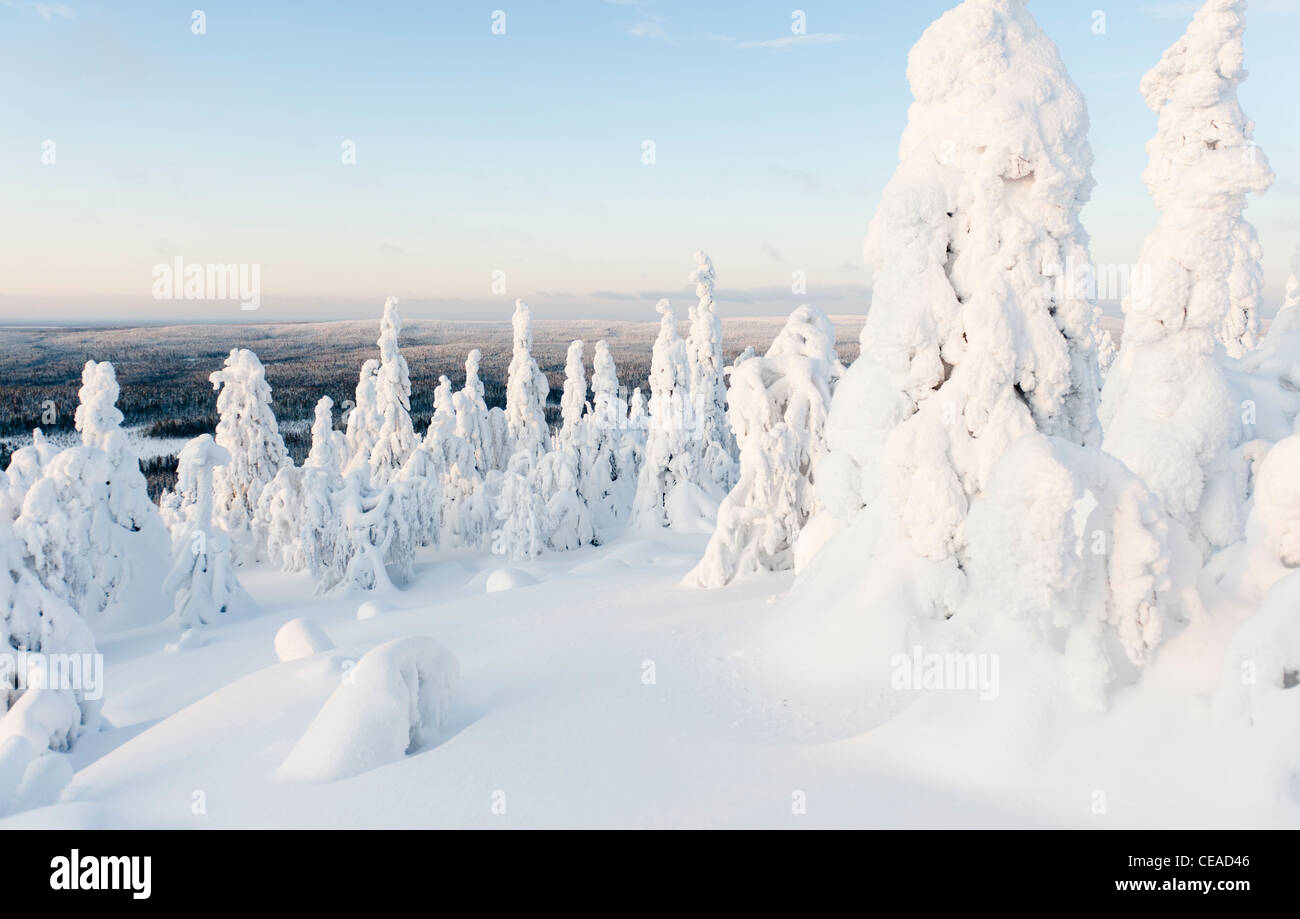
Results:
x,y
299,638
46,718
372,608
508,579
394,702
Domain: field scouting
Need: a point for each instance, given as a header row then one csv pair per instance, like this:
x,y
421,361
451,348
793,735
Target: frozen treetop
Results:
x,y
1203,163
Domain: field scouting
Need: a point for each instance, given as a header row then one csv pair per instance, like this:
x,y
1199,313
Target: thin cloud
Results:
x,y
647,28
791,41
47,11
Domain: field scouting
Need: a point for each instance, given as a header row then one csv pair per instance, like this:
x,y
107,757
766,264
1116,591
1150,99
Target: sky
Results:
x,y
494,163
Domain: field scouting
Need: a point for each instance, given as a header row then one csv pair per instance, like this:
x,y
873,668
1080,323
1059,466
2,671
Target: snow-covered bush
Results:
x,y
248,432
526,390
779,404
395,438
395,703
1168,411
201,582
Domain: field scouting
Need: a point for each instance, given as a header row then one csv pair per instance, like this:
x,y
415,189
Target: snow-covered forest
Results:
x,y
1003,568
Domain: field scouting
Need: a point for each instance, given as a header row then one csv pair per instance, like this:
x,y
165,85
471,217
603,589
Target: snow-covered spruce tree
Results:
x,y
779,405
34,620
526,390
969,342
638,426
139,538
375,536
472,422
1167,409
442,423
467,516
668,491
419,487
363,420
277,523
395,438
321,490
202,582
248,431
1266,381
68,534
608,476
573,399
522,521
1071,548
708,405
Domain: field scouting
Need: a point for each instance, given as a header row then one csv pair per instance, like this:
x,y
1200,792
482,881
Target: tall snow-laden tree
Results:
x,y
708,404
395,438
970,341
248,431
526,390
202,582
139,538
779,405
608,478
573,400
328,447
472,422
364,418
1167,410
671,464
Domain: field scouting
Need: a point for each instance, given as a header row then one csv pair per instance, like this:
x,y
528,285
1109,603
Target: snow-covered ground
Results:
x,y
606,694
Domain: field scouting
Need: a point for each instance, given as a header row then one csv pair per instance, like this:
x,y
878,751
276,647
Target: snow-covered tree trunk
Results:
x,y
1167,409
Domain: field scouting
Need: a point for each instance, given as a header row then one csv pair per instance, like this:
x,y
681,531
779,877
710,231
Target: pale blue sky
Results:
x,y
520,152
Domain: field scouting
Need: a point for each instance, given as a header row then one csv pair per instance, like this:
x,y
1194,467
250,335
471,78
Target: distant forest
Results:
x,y
163,371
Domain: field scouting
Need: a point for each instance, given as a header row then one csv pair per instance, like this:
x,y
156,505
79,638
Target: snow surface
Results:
x,y
607,694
